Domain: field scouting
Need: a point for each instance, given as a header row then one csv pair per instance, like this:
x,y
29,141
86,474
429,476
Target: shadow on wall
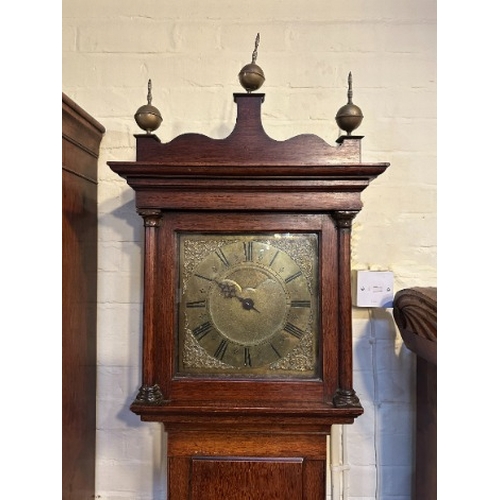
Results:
x,y
384,379
121,243
121,236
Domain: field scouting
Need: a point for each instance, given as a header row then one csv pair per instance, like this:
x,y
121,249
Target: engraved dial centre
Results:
x,y
249,305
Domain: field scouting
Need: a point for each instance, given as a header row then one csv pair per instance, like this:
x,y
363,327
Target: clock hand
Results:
x,y
247,304
229,289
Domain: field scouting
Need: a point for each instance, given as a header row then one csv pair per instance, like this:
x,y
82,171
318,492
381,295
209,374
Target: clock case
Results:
x,y
247,183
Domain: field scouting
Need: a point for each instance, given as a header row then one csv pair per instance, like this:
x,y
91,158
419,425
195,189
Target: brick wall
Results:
x,y
193,52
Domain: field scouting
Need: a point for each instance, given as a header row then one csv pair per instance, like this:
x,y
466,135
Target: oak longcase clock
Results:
x,y
247,350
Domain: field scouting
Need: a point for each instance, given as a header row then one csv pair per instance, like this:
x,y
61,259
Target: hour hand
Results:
x,y
229,288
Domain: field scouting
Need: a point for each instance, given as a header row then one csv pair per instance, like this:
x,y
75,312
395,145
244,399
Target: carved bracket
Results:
x,y
149,395
346,398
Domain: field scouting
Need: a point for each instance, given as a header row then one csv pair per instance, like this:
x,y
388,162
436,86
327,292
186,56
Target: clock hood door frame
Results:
x,y
247,182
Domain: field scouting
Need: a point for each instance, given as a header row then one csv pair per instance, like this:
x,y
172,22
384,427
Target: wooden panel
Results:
x,y
308,446
79,300
222,465
82,136
79,338
251,479
426,433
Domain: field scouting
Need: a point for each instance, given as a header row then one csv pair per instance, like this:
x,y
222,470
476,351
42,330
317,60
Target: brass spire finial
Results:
x,y
147,116
349,88
349,116
149,97
254,53
251,75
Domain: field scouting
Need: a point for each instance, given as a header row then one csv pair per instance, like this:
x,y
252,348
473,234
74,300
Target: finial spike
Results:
x,y
150,97
349,90
254,53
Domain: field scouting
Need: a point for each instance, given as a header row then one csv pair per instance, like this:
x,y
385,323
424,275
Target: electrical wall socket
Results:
x,y
374,288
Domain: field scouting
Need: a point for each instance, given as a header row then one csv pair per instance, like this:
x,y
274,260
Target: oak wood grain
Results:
x,y
81,136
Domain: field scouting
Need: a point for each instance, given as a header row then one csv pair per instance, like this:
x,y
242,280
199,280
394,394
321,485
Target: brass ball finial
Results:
x,y
147,116
349,116
251,75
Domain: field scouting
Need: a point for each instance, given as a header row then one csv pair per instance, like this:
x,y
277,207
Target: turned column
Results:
x,y
345,395
150,392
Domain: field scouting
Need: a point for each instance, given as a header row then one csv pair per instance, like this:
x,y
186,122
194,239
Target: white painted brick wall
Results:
x,y
193,52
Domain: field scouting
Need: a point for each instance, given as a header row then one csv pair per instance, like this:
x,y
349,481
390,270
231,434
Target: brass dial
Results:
x,y
248,304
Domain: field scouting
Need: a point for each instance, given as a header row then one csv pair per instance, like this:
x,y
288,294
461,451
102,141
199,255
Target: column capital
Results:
x,y
344,218
152,216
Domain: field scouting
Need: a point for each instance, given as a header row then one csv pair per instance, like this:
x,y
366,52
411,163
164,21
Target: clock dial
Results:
x,y
248,304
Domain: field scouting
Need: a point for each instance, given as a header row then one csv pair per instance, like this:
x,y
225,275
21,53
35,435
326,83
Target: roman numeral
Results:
x,y
203,277
221,350
300,303
274,258
293,276
222,257
200,331
294,330
197,303
248,249
248,359
275,351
